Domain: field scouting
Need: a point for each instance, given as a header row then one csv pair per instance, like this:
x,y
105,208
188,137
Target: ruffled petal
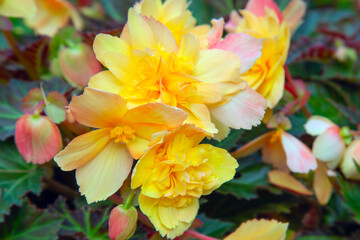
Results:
x,y
258,7
106,81
215,32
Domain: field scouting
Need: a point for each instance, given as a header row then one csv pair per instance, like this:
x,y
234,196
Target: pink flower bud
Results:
x,y
78,64
122,222
37,138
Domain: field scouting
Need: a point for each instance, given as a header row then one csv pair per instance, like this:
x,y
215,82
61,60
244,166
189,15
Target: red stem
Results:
x,y
290,81
193,233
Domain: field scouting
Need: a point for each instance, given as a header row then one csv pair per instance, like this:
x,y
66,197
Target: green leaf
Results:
x,y
85,222
214,227
16,177
10,105
28,223
351,193
253,175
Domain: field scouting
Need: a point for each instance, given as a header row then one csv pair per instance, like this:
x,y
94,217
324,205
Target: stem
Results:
x,y
129,199
290,80
197,235
30,70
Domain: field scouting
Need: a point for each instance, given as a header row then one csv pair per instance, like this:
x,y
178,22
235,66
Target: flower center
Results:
x,y
122,134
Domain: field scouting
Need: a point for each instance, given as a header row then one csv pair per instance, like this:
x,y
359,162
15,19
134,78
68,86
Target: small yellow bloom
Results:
x,y
103,158
175,173
19,8
175,16
260,230
146,64
51,15
264,20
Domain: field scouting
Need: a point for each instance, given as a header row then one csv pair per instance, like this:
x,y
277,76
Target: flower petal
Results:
x,y
287,181
155,114
82,149
245,46
104,43
298,156
329,146
274,154
322,185
252,146
105,173
140,33
244,110
97,108
293,13
258,7
138,146
316,125
215,32
259,229
347,166
106,81
20,8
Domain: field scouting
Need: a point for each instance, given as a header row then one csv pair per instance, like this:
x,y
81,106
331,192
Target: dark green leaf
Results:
x,y
16,177
214,227
28,223
351,193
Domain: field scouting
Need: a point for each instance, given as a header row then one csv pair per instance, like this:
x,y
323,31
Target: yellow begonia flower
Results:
x,y
147,65
260,230
103,158
175,16
175,173
262,19
19,8
51,15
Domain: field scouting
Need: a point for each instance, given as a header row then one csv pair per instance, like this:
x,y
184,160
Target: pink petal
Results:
x,y
298,156
329,146
215,32
257,7
246,47
244,110
316,125
233,22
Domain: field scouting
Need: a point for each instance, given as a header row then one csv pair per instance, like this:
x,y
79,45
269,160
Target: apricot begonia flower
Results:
x,y
259,230
19,8
263,19
174,173
328,146
175,16
147,65
351,156
282,150
51,15
103,158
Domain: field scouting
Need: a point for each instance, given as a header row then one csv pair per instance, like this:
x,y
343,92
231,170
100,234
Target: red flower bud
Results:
x,y
122,222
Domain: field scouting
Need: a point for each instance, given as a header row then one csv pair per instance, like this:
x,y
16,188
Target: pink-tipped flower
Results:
x,y
352,155
37,138
78,64
329,146
122,222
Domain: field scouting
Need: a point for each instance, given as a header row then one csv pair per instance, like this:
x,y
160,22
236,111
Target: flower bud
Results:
x,y
352,155
122,222
37,138
78,64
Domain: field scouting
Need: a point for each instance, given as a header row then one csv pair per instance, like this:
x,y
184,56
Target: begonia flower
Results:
x,y
174,173
202,82
351,156
19,8
51,15
103,157
263,19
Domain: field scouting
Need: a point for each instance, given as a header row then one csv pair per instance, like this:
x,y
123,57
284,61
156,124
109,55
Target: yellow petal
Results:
x,y
163,36
189,47
106,81
97,108
287,181
143,168
322,185
260,230
140,33
104,43
347,166
19,8
157,114
138,146
104,175
199,115
82,149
